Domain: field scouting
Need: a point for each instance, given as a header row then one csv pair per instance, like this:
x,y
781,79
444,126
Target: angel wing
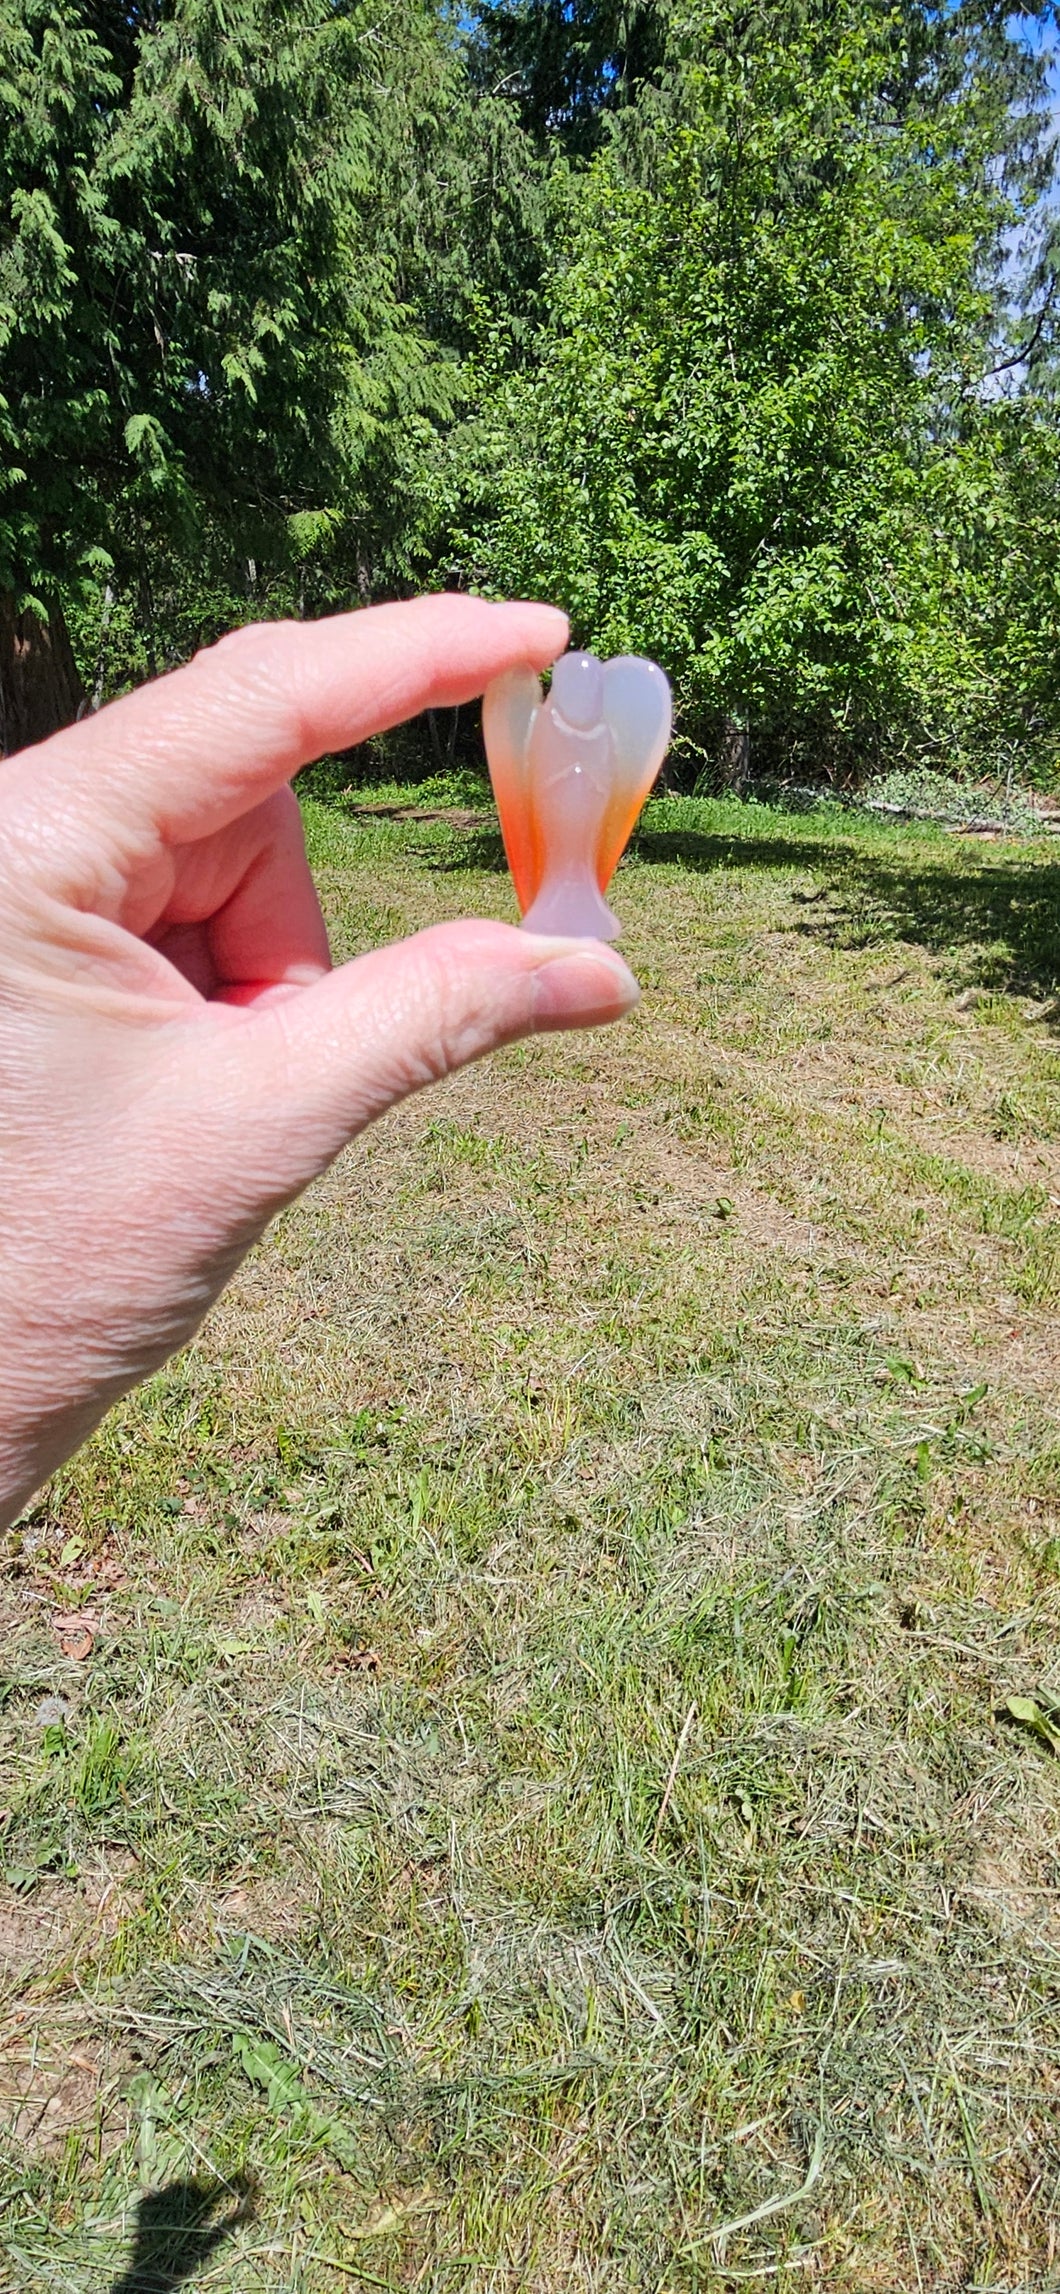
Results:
x,y
510,707
638,712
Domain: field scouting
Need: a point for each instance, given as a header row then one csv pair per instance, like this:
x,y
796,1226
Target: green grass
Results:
x,y
539,1811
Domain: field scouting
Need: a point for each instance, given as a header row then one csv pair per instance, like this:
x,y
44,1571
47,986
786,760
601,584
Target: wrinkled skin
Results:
x,y
177,1057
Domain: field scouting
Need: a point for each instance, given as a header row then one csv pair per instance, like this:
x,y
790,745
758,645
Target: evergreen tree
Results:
x,y
205,339
568,64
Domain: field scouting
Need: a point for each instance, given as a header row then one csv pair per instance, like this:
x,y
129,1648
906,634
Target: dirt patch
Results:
x,y
994,1338
37,1928
1009,1890
1013,1882
275,1909
258,1607
456,816
49,1926
50,2084
695,1184
855,1079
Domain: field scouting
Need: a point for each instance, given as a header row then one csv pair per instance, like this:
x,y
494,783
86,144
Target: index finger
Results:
x,y
184,756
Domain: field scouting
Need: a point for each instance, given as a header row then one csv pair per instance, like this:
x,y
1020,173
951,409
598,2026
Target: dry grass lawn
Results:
x,y
540,1808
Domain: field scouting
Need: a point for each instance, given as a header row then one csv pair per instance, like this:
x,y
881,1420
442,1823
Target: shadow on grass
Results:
x,y
1006,910
178,2228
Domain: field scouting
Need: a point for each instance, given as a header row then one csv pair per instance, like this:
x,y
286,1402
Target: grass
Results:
x,y
540,1809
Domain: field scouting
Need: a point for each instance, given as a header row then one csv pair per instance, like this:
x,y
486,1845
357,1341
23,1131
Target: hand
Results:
x,y
177,1058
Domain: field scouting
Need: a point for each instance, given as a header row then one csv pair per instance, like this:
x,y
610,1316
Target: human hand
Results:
x,y
177,1058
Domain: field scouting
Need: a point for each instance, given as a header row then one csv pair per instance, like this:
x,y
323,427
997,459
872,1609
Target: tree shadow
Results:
x,y
1003,913
479,849
179,2227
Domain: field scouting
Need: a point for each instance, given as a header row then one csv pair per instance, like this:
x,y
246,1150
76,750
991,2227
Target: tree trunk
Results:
x,y
734,756
40,685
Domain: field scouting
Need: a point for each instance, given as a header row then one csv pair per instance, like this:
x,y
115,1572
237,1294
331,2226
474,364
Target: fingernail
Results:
x,y
590,985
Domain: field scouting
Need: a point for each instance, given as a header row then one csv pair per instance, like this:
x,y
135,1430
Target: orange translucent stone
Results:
x,y
570,775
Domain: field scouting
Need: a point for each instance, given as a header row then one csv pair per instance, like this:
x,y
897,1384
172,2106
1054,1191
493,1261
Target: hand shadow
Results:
x,y
177,2229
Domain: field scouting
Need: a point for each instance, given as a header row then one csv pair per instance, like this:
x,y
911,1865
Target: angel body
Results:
x,y
570,775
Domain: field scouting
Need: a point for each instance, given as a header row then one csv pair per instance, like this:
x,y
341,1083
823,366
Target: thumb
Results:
x,y
310,1071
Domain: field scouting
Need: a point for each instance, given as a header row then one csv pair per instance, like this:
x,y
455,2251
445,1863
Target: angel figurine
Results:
x,y
570,774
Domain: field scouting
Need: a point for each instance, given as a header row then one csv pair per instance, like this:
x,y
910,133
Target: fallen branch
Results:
x,y
455,815
984,824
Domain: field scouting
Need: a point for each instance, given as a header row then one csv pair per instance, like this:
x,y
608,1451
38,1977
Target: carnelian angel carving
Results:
x,y
570,774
